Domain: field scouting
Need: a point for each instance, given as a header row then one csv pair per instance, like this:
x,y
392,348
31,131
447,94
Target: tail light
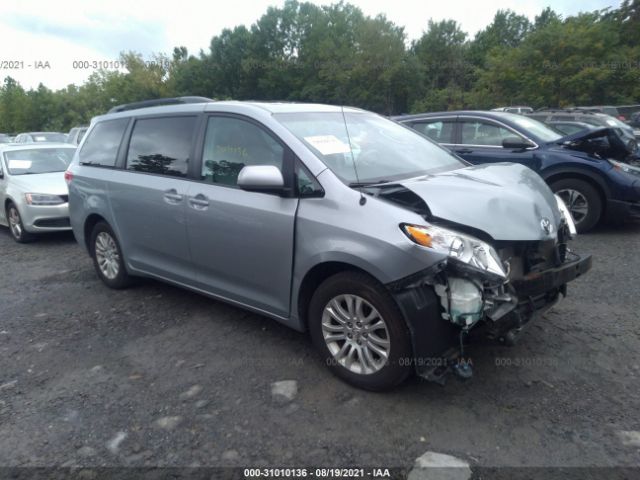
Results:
x,y
68,176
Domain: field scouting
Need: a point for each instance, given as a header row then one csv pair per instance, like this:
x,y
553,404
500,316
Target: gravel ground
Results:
x,y
159,376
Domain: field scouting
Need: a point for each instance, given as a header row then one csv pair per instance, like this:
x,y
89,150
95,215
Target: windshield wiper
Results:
x,y
368,184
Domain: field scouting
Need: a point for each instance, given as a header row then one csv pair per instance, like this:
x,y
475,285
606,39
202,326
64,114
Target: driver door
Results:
x,y
242,242
480,142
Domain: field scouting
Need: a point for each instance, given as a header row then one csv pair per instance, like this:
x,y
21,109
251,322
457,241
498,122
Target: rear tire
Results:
x,y
107,257
360,332
582,200
16,227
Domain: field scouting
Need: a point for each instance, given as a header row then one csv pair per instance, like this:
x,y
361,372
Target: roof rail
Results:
x,y
158,102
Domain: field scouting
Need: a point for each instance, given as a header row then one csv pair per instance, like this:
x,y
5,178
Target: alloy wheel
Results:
x,y
576,202
355,334
107,255
15,223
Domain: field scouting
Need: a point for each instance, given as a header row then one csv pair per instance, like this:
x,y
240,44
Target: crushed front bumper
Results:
x,y
537,283
536,292
436,341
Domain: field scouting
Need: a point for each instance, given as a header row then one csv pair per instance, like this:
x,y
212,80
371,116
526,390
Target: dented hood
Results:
x,y
605,142
505,200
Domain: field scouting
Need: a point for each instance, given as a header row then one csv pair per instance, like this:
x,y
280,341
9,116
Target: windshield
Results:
x,y
382,150
48,137
44,160
539,129
614,122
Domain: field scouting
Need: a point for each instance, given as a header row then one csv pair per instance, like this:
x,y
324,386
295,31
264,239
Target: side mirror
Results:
x,y
516,143
261,178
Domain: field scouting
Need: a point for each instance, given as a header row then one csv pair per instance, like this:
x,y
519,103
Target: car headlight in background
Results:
x,y
458,246
566,215
43,199
625,167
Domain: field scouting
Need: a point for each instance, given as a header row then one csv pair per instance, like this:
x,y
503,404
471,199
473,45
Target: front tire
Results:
x,y
360,332
16,227
107,257
582,200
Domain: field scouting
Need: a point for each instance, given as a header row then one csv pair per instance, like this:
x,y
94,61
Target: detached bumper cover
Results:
x,y
538,283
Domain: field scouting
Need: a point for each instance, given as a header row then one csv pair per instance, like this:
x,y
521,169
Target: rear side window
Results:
x,y
161,145
438,131
101,146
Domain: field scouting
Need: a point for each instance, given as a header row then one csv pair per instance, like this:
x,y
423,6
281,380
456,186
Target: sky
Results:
x,y
59,42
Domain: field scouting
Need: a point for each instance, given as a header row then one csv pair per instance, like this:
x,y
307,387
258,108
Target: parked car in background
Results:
x,y
75,135
593,118
5,138
32,188
569,128
38,137
592,171
519,110
383,245
606,109
634,122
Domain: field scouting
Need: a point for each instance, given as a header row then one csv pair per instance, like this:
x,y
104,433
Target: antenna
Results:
x,y
363,199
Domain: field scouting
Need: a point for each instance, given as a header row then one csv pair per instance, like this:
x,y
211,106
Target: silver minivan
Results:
x,y
385,247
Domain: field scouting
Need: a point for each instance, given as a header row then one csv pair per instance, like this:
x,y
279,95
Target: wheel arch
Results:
x,y
90,222
312,280
7,201
591,179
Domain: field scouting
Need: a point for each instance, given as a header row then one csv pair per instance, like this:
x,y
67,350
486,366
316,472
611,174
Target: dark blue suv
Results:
x,y
595,172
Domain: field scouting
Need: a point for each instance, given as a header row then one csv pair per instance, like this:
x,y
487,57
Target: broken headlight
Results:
x,y
458,246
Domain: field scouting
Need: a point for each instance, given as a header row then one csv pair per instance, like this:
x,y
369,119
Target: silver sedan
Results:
x,y
33,192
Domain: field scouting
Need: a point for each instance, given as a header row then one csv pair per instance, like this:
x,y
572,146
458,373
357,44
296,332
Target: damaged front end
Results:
x,y
483,287
605,143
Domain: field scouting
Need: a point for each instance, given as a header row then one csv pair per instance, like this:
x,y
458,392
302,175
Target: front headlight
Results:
x,y
625,167
43,199
458,246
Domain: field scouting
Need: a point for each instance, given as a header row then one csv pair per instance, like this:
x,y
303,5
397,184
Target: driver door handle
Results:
x,y
199,202
172,196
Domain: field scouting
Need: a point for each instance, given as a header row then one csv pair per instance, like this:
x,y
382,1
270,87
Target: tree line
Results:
x,y
336,54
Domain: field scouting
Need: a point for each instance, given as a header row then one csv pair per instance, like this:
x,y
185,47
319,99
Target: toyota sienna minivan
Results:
x,y
384,246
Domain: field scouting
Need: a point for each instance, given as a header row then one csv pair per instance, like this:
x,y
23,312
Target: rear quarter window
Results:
x,y
161,145
101,146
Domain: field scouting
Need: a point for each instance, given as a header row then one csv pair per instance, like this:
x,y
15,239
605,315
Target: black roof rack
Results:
x,y
158,102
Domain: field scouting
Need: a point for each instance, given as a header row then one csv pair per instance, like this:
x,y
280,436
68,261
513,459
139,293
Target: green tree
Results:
x,y
507,30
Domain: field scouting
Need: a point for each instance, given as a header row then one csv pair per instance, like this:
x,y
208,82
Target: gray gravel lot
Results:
x,y
155,375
